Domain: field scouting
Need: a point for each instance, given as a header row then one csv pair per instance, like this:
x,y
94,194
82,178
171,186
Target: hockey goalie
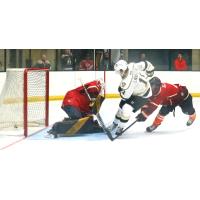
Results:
x,y
80,105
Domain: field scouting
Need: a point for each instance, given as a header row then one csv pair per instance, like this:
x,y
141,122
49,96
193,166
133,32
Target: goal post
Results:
x,y
24,100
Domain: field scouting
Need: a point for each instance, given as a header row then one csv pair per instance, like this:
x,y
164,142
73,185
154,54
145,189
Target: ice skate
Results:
x,y
112,127
151,128
119,131
191,119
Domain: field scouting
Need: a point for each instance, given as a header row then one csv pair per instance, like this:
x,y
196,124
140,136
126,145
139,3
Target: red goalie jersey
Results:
x,y
169,94
79,99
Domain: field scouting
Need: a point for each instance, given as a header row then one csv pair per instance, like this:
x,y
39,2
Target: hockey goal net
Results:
x,y
24,100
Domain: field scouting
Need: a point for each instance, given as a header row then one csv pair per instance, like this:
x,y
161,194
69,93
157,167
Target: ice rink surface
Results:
x,y
160,166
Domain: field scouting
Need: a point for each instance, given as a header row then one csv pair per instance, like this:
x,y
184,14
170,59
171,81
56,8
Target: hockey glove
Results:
x,y
141,118
119,89
92,102
121,92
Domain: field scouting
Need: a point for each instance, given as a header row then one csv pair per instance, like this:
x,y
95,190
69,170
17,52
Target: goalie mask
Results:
x,y
120,67
95,88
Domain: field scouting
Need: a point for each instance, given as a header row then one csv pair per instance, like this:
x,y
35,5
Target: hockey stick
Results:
x,y
128,127
119,134
105,129
108,132
99,119
85,89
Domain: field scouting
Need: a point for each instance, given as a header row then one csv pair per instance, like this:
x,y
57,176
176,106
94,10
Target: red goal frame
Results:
x,y
26,70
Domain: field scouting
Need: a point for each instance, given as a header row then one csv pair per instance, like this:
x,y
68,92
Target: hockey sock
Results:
x,y
158,120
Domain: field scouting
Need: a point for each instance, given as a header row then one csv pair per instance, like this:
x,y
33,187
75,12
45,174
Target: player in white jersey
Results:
x,y
134,90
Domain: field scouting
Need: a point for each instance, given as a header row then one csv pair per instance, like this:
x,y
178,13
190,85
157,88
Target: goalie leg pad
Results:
x,y
74,127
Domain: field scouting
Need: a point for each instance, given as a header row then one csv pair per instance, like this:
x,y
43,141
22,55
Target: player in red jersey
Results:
x,y
87,63
80,104
169,96
76,102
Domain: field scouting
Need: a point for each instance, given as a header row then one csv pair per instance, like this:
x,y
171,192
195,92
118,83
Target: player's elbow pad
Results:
x,y
150,73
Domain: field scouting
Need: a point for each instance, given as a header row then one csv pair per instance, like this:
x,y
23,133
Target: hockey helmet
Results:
x,y
120,67
155,83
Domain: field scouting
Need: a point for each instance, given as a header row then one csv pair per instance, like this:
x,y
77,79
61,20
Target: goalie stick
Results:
x,y
87,93
105,129
99,119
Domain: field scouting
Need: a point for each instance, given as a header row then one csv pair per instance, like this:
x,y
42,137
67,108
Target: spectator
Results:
x,y
105,61
87,63
67,60
142,57
180,63
43,62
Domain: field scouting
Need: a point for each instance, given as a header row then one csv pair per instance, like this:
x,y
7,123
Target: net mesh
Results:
x,y
12,98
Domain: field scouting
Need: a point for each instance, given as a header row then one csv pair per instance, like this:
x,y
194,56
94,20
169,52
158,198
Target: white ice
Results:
x,y
160,166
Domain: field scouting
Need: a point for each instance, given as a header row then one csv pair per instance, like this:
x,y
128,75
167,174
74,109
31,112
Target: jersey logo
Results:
x,y
123,84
